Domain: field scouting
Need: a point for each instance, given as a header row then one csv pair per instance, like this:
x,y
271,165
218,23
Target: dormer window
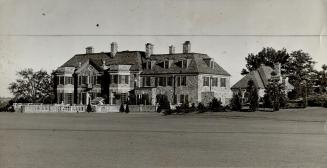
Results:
x,y
184,63
148,65
212,65
166,64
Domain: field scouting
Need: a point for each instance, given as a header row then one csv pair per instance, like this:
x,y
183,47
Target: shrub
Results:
x,y
216,105
121,109
253,95
267,102
127,108
89,108
201,108
236,102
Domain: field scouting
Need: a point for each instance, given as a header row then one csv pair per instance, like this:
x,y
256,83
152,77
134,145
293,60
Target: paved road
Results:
x,y
289,138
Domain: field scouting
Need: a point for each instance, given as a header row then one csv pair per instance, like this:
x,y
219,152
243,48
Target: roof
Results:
x,y
137,59
121,58
197,64
259,76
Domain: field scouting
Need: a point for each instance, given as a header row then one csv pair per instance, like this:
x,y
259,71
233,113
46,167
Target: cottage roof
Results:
x,y
260,78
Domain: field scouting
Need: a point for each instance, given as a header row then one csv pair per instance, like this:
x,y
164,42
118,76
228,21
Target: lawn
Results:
x,y
288,138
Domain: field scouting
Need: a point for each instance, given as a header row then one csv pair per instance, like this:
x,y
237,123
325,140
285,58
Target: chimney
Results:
x,y
277,69
186,47
89,50
148,50
114,49
171,49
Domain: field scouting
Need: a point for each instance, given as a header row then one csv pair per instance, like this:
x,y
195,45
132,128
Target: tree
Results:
x,y
321,79
253,95
267,56
236,101
300,69
32,87
275,94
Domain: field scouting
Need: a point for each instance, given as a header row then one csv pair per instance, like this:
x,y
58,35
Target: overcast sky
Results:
x,y
226,30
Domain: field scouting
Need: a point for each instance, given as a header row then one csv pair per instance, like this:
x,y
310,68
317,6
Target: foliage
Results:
x,y
164,104
121,109
201,108
32,87
127,108
89,108
275,92
236,102
215,105
244,72
298,65
267,101
317,100
253,95
267,56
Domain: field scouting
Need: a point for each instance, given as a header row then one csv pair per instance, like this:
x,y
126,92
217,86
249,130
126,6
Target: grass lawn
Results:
x,y
288,138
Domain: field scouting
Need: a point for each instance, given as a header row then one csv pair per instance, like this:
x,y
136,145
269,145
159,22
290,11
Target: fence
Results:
x,y
142,108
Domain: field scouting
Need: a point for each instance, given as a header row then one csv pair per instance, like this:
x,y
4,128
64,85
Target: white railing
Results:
x,y
51,108
58,108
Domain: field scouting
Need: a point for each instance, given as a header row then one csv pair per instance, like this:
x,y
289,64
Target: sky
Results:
x,y
43,34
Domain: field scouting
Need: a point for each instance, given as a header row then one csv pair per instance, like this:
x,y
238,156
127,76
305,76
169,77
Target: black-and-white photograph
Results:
x,y
164,83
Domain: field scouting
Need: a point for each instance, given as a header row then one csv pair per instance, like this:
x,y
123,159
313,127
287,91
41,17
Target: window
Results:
x,y
178,81
214,82
68,80
166,64
146,81
148,65
120,78
211,64
126,79
183,81
84,79
79,80
222,82
162,81
170,81
114,79
61,80
206,81
183,99
184,63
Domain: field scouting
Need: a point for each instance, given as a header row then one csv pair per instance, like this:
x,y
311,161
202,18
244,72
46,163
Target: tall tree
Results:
x,y
253,95
300,70
267,56
32,86
274,93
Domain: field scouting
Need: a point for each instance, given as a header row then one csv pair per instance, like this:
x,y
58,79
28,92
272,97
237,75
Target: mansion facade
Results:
x,y
141,76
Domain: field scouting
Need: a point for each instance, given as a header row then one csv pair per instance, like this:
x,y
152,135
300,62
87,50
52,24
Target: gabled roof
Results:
x,y
137,60
260,78
197,64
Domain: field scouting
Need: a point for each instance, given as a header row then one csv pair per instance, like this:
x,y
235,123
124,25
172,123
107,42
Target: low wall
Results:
x,y
106,108
142,108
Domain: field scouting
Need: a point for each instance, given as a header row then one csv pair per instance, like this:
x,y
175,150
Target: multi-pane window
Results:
x,y
170,81
214,82
222,82
84,79
68,80
69,97
114,79
183,99
166,64
147,81
126,79
206,81
61,80
162,81
181,80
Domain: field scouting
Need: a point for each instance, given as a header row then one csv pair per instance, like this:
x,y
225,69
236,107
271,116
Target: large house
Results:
x,y
261,78
143,76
